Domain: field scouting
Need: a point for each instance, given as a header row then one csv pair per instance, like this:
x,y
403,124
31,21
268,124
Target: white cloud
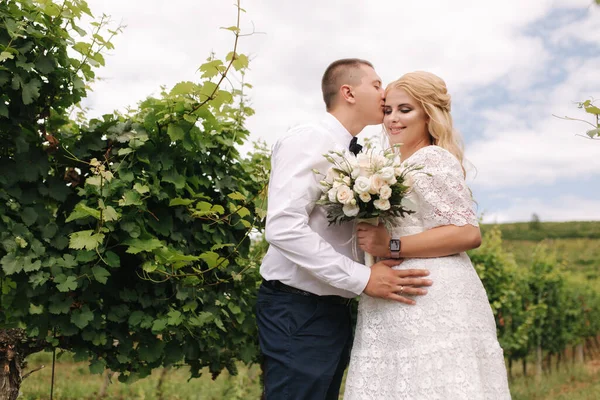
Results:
x,y
468,42
526,144
585,30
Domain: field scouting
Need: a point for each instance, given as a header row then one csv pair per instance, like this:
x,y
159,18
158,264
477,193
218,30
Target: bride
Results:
x,y
445,346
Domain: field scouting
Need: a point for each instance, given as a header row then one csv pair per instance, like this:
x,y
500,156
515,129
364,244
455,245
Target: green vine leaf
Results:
x,y
81,318
142,245
100,274
11,264
81,210
85,240
65,283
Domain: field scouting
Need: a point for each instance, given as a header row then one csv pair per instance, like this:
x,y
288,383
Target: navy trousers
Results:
x,y
305,342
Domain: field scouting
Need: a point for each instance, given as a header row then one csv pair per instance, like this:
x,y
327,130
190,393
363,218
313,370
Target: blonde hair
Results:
x,y
430,91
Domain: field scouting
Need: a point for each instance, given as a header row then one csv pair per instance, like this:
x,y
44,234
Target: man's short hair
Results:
x,y
337,74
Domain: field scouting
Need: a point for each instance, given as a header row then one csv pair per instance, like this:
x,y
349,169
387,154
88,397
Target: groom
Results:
x,y
309,275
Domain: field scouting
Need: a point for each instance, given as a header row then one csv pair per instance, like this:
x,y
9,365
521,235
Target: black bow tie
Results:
x,y
354,146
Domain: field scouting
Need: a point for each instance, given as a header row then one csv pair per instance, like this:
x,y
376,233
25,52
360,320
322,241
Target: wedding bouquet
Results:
x,y
370,187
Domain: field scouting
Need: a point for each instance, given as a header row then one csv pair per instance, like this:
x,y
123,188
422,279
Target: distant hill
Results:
x,y
537,231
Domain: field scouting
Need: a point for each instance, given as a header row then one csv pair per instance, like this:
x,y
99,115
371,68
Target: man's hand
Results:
x,y
374,240
390,284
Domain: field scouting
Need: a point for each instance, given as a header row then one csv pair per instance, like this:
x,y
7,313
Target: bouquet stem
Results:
x,y
369,258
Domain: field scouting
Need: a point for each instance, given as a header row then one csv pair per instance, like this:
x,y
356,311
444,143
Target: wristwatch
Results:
x,y
395,247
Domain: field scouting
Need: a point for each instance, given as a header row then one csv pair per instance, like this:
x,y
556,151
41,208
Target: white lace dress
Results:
x,y
444,347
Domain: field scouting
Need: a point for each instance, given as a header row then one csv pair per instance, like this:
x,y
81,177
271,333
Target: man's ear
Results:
x,y
347,93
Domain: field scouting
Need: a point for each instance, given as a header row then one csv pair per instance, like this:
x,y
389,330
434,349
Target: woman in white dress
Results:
x,y
445,345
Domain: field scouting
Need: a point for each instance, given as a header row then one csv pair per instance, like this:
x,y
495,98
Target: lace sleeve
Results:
x,y
441,190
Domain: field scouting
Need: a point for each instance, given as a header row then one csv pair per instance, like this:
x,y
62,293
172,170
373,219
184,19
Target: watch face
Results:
x,y
394,245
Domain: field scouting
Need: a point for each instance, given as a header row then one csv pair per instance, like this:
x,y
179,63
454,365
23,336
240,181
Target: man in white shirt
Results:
x,y
309,274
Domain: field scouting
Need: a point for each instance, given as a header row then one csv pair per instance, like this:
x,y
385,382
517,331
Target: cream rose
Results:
x,y
385,192
345,195
365,197
376,183
382,204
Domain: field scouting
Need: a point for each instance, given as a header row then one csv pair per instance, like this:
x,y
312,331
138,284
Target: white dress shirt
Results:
x,y
305,251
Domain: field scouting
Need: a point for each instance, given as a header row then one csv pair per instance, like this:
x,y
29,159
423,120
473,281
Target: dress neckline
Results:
x,y
424,147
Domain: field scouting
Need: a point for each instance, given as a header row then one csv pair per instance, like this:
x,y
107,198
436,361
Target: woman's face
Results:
x,y
404,119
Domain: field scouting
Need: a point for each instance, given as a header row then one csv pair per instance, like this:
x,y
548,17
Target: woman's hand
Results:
x,y
374,240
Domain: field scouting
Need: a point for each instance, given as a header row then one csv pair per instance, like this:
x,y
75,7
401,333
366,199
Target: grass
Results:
x,y
73,381
579,383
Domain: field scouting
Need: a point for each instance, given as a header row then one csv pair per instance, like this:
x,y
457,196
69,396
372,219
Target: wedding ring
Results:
x,y
401,290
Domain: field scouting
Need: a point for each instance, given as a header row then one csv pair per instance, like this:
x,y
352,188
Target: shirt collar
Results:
x,y
334,126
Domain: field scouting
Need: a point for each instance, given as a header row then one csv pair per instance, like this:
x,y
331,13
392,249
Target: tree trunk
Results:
x,y
159,388
539,358
510,370
558,358
15,346
105,383
11,365
548,363
589,343
578,356
524,361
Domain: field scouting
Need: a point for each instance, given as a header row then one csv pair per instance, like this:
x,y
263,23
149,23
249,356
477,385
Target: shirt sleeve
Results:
x,y
443,195
293,191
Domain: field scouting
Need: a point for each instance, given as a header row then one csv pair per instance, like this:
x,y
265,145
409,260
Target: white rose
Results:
x,y
385,192
362,185
331,175
345,195
376,183
365,197
364,161
382,204
379,161
350,210
409,180
332,195
387,173
347,181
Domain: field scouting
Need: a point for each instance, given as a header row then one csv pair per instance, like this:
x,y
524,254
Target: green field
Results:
x,y
537,231
576,245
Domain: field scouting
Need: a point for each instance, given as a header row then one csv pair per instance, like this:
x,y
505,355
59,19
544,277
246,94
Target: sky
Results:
x,y
511,66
